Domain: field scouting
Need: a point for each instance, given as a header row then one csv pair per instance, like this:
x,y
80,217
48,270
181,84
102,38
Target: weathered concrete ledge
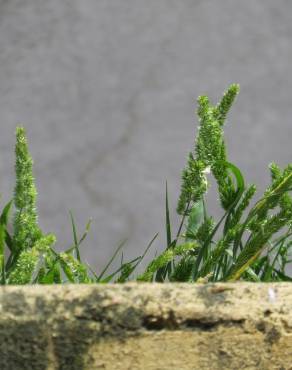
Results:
x,y
146,327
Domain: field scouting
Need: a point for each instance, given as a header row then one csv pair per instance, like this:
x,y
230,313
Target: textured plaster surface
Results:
x,y
146,327
107,92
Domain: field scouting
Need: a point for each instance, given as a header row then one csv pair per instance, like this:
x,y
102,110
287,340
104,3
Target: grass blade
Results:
x,y
109,278
168,226
5,213
2,256
111,260
75,237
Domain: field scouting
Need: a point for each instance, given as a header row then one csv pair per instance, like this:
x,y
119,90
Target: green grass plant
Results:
x,y
250,243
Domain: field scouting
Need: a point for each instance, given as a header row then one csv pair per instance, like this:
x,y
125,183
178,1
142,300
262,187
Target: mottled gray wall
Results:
x,y
107,89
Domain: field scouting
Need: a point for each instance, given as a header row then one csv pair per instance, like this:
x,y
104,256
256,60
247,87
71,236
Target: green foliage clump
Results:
x,y
32,258
246,248
248,243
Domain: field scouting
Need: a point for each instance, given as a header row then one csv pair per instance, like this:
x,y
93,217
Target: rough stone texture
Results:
x,y
146,327
107,92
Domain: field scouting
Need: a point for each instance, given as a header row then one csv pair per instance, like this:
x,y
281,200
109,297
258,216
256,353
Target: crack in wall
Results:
x,y
100,160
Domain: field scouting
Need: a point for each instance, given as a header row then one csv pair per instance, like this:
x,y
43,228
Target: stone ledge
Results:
x,y
138,326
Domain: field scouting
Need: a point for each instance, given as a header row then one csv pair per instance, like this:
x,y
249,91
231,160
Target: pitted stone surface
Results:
x,y
146,327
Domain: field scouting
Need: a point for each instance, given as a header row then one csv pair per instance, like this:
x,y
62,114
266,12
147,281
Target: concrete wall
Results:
x,y
107,89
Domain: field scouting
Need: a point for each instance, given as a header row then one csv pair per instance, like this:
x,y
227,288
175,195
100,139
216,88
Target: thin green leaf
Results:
x,y
2,253
5,213
87,229
109,278
67,271
75,237
282,276
252,275
168,226
111,260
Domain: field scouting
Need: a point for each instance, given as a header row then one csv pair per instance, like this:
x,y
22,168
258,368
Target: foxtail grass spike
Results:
x,y
26,230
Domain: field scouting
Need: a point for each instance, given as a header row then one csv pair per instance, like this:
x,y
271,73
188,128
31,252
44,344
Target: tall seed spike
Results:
x,y
226,102
26,230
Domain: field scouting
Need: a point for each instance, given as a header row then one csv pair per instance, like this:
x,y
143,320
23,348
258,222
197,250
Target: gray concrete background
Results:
x,y
107,90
